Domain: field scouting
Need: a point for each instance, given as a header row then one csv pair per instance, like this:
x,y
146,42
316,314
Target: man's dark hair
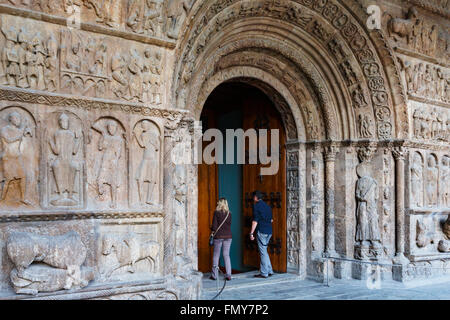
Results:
x,y
258,194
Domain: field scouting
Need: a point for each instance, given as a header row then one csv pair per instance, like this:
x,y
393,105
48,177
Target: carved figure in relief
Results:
x,y
64,251
65,144
431,181
176,12
136,81
118,66
110,144
445,181
148,170
367,227
51,64
129,250
73,57
417,180
100,52
179,182
365,126
10,56
152,17
400,28
61,257
423,237
155,78
134,17
11,138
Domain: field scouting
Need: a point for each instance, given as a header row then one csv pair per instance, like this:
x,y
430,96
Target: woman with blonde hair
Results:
x,y
221,230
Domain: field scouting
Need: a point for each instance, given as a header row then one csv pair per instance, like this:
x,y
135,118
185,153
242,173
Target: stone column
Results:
x,y
168,194
399,156
330,152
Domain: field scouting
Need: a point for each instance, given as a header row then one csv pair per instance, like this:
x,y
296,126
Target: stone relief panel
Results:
x,y
45,256
412,32
425,80
19,159
146,170
107,163
430,124
29,55
67,60
150,18
428,174
64,146
129,250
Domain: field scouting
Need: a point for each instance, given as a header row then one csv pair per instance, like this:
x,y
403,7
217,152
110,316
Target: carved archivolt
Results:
x,y
334,30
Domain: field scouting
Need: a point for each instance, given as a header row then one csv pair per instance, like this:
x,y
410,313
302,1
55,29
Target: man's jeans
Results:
x,y
263,241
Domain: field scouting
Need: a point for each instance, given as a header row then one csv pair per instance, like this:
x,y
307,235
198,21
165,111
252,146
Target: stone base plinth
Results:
x,y
166,288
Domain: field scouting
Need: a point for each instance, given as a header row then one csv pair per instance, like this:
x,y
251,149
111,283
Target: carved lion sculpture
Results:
x,y
66,251
423,237
128,251
42,278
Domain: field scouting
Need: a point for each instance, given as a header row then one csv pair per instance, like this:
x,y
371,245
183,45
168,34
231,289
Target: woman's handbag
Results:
x,y
211,236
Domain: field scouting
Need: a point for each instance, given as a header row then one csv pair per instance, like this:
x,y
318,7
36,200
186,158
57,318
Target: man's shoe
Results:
x,y
228,278
260,276
212,278
270,274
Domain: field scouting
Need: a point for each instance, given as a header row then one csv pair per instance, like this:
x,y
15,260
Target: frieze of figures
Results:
x,y
426,80
76,62
414,33
431,124
152,18
429,180
61,160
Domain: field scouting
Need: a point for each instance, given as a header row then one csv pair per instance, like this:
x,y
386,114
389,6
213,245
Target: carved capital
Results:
x,y
330,152
399,153
365,153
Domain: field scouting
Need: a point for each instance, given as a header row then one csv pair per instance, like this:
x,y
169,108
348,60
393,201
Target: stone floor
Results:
x,y
288,287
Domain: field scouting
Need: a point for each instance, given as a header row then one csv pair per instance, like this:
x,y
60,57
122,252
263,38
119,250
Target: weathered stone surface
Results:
x,y
96,97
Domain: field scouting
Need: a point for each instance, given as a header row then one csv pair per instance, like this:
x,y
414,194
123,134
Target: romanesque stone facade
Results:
x,y
96,96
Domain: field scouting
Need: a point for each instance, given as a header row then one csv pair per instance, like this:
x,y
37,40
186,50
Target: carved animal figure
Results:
x,y
403,27
129,250
66,251
42,278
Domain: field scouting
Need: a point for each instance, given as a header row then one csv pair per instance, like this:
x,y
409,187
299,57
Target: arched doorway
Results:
x,y
237,105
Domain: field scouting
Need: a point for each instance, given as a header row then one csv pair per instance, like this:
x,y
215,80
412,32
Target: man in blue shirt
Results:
x,y
262,221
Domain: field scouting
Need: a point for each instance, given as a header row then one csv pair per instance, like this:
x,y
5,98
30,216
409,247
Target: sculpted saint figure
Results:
x,y
152,17
118,67
10,57
179,181
65,144
110,144
11,137
367,228
432,179
136,81
417,180
148,170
